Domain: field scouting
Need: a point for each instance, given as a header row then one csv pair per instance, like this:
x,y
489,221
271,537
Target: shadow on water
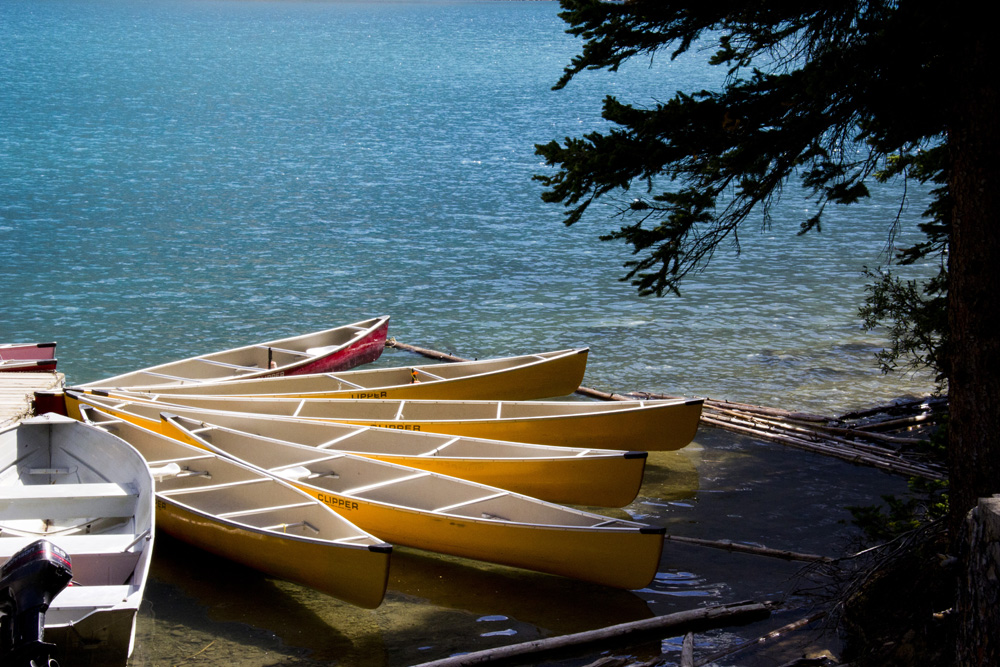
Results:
x,y
196,601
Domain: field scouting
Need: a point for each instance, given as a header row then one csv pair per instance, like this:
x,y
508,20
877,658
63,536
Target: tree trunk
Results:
x,y
974,285
974,305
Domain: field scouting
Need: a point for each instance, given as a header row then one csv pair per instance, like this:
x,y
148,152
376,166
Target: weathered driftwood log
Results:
x,y
926,404
876,453
889,424
669,625
430,354
845,454
687,650
868,435
726,545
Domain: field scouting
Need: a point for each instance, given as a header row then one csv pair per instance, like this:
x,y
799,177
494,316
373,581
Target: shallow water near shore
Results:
x,y
182,177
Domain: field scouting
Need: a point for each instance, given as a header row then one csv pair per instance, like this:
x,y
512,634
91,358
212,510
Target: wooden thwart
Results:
x,y
750,549
65,501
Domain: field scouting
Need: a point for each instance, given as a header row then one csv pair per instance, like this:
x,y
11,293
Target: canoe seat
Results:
x,y
82,597
65,501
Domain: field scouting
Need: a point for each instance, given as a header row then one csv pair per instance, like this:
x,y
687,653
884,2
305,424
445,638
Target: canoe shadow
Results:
x,y
194,599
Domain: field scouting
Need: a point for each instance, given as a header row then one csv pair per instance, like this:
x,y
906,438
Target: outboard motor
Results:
x,y
28,582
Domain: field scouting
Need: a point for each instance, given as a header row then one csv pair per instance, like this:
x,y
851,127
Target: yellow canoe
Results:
x,y
517,378
660,425
334,349
237,512
577,476
449,515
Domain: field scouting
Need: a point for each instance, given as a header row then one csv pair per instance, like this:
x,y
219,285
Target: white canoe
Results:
x,y
519,378
656,425
90,494
577,476
335,349
448,515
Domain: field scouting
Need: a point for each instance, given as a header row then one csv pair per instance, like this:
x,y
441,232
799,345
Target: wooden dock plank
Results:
x,y
17,391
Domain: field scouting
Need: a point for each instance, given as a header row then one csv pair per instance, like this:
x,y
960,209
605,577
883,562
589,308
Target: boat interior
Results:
x,y
366,479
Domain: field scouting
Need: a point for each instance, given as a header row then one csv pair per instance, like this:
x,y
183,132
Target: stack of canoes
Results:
x,y
457,458
27,357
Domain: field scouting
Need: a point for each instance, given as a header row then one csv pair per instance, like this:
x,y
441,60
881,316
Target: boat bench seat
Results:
x,y
83,597
66,501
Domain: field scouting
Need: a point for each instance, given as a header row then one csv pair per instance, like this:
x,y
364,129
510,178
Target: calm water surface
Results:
x,y
185,176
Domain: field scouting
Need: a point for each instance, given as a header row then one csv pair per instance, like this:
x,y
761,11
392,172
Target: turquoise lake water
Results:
x,y
184,176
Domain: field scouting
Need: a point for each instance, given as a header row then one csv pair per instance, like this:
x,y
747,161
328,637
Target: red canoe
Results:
x,y
335,349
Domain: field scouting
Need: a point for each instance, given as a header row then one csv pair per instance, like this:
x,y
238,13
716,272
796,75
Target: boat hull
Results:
x,y
626,559
357,576
363,351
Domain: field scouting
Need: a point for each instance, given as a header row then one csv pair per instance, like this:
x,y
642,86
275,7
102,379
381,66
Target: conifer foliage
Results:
x,y
832,96
817,92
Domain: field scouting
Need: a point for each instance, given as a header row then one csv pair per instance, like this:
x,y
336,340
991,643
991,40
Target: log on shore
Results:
x,y
669,625
847,454
727,545
760,641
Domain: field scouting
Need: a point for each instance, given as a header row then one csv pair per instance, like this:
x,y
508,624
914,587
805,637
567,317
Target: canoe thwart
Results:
x,y
64,501
283,527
